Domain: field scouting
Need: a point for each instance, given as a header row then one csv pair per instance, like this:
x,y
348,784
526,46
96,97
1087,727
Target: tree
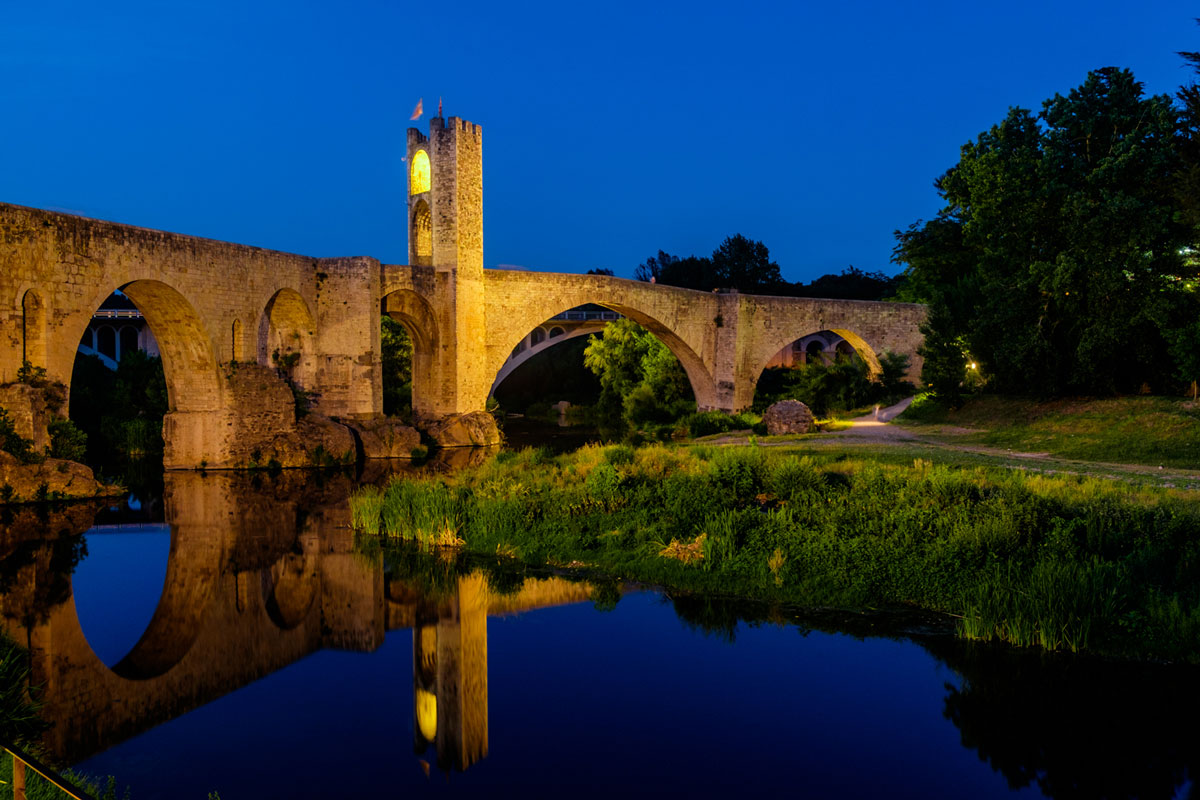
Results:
x,y
746,265
737,263
690,272
640,379
600,271
1056,258
396,352
851,284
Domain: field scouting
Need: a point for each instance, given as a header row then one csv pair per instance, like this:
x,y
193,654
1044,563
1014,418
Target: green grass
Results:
x,y
21,726
1154,431
1060,562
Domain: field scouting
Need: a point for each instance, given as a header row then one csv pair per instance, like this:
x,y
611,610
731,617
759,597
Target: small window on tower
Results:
x,y
418,181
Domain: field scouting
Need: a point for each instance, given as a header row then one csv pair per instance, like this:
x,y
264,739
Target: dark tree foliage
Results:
x,y
746,265
121,412
601,271
851,284
690,272
396,354
1056,261
737,263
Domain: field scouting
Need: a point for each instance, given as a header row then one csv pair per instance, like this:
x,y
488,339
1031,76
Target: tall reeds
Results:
x,y
1054,562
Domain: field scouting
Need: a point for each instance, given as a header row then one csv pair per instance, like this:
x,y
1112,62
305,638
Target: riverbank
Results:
x,y
1150,431
1059,562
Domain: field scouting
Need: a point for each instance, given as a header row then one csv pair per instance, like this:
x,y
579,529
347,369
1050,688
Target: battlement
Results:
x,y
456,124
415,137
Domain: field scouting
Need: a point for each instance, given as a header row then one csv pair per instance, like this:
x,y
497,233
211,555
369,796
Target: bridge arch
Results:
x,y
536,346
769,347
189,361
286,335
193,571
515,330
418,318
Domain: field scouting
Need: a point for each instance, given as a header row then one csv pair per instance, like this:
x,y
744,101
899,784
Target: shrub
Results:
x,y
66,440
14,443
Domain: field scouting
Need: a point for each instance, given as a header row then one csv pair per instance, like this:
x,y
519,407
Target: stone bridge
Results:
x,y
218,308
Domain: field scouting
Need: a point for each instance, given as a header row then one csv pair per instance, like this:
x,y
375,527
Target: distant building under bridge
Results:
x,y
117,328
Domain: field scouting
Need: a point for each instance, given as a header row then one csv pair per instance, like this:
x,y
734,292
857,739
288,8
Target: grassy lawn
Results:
x,y
1155,431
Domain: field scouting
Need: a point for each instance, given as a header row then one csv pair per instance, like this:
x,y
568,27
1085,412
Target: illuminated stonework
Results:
x,y
422,234
418,179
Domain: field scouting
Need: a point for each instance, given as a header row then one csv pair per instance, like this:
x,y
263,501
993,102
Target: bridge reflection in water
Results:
x,y
261,573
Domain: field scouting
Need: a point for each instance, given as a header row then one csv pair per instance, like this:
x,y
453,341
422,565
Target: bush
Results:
x,y
705,423
14,443
66,440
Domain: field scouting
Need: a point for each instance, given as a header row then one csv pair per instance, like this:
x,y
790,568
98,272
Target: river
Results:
x,y
243,641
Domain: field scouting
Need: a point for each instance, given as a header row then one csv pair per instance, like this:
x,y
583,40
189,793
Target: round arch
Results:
x,y
286,336
193,572
189,361
416,315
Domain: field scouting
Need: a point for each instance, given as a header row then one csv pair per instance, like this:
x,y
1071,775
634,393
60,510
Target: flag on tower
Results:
x,y
439,106
419,110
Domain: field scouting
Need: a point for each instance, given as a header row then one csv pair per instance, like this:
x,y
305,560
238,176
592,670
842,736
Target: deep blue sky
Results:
x,y
610,129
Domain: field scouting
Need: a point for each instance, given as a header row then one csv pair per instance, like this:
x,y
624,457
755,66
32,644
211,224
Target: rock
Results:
x,y
314,441
475,429
386,438
65,479
31,408
788,416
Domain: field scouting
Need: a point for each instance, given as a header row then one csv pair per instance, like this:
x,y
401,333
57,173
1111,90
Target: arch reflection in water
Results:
x,y
261,573
1065,726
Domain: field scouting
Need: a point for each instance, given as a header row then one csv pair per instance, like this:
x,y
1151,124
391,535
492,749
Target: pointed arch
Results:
x,y
416,315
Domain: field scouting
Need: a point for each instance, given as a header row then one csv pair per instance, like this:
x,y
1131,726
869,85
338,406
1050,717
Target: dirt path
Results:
x,y
877,428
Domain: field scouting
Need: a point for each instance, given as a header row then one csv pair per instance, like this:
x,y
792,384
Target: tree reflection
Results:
x,y
1076,727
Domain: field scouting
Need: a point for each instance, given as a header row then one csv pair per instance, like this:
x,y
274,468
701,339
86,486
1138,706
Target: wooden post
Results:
x,y
18,779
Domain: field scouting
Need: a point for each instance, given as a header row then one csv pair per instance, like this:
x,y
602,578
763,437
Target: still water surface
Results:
x,y
248,644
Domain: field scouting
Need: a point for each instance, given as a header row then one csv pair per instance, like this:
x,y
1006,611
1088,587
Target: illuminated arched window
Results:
x,y
422,234
418,179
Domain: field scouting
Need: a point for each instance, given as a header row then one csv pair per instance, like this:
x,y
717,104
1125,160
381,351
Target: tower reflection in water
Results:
x,y
261,573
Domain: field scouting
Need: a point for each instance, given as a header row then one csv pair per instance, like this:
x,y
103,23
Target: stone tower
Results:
x,y
445,235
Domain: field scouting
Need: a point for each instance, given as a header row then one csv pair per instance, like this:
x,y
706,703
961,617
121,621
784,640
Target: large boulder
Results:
x,y
788,416
475,429
386,438
54,477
